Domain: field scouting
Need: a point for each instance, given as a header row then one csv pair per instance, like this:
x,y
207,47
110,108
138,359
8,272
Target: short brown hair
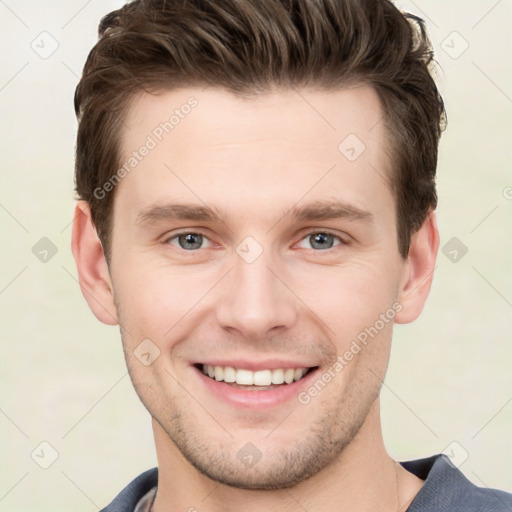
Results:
x,y
250,47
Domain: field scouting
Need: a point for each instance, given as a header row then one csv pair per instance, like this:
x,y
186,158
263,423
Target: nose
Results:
x,y
255,300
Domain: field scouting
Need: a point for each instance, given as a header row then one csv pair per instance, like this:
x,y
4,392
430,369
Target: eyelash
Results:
x,y
306,235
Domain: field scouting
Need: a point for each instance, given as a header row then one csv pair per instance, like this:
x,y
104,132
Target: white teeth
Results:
x,y
244,377
250,378
263,378
277,376
288,375
229,374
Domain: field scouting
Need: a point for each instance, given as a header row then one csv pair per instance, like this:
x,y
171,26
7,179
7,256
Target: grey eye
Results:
x,y
320,241
190,241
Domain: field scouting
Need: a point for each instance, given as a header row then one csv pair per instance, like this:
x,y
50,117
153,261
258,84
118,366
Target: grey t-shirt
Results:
x,y
445,489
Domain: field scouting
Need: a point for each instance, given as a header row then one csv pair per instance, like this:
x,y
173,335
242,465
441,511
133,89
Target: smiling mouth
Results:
x,y
260,380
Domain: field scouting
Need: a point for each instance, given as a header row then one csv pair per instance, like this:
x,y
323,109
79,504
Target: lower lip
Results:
x,y
254,399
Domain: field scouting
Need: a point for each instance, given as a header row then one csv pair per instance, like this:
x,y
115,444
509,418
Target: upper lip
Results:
x,y
246,364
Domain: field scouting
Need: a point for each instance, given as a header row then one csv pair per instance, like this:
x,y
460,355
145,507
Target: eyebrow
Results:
x,y
179,211
316,211
328,210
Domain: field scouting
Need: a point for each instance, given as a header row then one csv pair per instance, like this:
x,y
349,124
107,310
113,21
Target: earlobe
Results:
x,y
418,271
93,274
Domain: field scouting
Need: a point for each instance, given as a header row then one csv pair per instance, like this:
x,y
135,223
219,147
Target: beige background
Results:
x,y
63,377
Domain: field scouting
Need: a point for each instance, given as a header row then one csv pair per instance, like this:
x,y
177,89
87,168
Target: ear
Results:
x,y
418,271
93,274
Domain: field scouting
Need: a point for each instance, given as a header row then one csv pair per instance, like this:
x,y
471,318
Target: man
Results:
x,y
257,209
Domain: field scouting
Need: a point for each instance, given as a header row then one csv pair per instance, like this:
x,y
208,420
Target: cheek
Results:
x,y
156,298
348,298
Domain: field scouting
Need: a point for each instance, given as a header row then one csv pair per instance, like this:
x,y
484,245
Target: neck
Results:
x,y
363,478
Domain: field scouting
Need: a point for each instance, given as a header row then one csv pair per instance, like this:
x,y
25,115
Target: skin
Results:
x,y
253,160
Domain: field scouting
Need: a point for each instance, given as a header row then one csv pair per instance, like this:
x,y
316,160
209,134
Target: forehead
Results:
x,y
218,116
256,154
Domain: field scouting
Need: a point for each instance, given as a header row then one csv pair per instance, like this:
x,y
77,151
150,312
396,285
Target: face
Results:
x,y
256,239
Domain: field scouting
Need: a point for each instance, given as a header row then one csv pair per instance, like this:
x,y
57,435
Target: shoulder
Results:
x,y
127,499
447,489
